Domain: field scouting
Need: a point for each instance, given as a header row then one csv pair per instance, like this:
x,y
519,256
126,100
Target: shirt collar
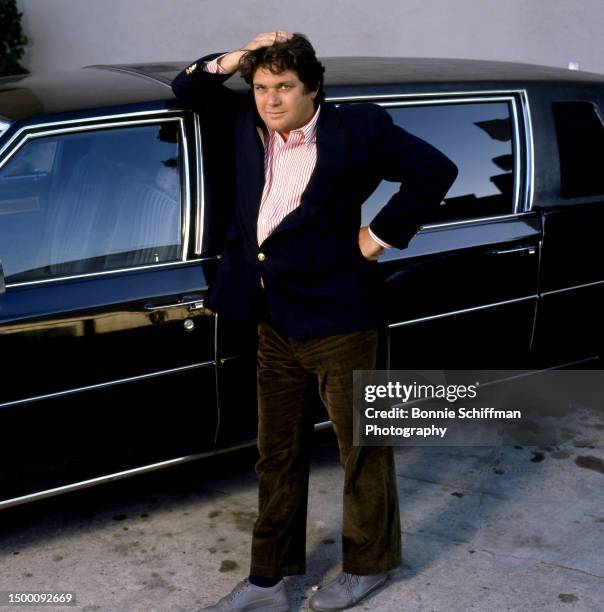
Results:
x,y
308,130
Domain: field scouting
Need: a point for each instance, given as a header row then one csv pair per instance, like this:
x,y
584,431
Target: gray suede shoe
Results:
x,y
247,596
345,590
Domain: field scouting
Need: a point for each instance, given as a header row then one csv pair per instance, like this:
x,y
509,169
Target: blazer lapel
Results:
x,y
332,149
250,153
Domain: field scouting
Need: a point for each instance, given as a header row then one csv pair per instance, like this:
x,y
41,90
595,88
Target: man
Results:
x,y
296,258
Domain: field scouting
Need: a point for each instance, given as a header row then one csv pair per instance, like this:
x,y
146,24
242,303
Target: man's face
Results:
x,y
281,101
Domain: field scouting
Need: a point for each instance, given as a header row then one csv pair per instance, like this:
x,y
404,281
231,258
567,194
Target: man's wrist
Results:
x,y
214,67
383,244
229,62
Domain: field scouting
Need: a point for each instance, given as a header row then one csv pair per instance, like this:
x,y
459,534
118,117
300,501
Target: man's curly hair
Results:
x,y
295,54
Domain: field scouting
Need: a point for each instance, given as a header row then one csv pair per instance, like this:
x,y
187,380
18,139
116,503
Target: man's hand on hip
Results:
x,y
369,247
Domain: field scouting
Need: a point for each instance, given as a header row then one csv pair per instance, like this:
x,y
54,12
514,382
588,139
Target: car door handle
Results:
x,y
192,302
523,250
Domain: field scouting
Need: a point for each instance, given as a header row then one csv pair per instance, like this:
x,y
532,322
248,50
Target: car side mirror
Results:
x,y
2,283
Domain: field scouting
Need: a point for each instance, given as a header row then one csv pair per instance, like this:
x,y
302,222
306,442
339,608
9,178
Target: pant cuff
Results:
x,y
365,570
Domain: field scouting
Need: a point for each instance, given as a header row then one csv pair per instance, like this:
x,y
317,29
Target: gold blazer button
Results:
x,y
261,256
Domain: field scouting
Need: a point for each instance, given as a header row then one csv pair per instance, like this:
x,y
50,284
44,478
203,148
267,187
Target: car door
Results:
x,y
569,325
463,294
108,354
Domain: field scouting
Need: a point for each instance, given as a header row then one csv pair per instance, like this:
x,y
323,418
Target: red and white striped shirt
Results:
x,y
288,165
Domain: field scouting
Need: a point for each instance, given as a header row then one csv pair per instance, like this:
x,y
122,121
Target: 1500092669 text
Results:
x,y
38,598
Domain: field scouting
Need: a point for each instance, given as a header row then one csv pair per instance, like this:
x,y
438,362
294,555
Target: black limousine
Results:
x,y
113,200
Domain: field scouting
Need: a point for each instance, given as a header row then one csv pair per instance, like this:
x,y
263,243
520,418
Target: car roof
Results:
x,y
349,71
148,84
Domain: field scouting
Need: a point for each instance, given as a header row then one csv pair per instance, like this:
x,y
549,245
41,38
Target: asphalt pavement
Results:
x,y
484,529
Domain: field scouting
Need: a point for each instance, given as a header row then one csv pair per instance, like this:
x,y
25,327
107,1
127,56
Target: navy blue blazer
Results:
x,y
316,281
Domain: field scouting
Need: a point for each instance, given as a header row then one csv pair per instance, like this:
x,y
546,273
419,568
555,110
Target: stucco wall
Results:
x,y
71,33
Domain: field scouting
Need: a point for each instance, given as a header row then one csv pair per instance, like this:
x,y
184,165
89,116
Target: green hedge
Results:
x,y
12,39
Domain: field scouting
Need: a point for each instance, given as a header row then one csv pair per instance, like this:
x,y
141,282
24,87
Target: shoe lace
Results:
x,y
233,594
348,580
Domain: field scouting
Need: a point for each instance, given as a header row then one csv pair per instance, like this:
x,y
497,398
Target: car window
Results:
x,y
36,159
478,138
580,131
91,201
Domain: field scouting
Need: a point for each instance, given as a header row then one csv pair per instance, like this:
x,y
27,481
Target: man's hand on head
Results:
x,y
230,61
267,39
369,247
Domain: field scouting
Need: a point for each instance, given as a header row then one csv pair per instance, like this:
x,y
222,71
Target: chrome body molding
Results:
x,y
111,383
463,311
430,226
169,264
84,484
528,374
573,288
143,469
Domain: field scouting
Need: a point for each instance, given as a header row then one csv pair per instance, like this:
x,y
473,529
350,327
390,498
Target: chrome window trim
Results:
x,y
529,145
143,469
185,227
169,264
517,154
522,141
427,94
200,192
85,121
111,383
462,311
504,97
100,123
31,135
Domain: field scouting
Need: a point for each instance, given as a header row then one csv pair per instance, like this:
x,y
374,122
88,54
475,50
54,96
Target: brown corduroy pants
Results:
x,y
371,536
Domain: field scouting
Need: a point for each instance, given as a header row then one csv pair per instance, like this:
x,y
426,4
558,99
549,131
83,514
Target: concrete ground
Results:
x,y
484,529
